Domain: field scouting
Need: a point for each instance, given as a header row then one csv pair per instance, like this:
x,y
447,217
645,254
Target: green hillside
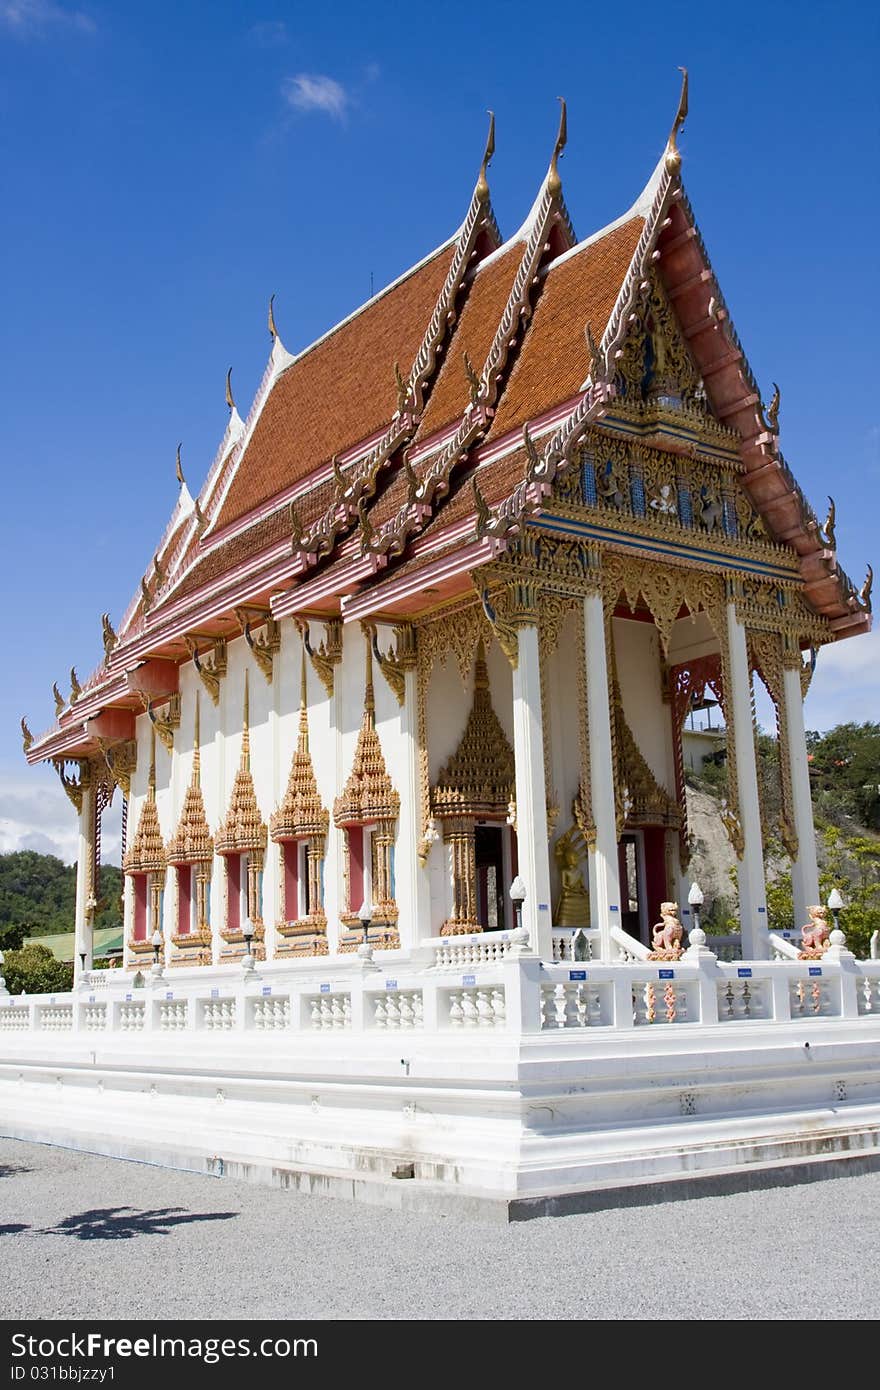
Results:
x,y
38,894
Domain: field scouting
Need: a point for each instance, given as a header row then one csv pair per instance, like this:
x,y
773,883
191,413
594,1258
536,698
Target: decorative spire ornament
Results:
x,y
229,398
482,181
273,331
179,468
673,154
554,182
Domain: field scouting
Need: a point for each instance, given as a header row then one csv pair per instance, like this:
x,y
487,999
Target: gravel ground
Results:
x,y
84,1237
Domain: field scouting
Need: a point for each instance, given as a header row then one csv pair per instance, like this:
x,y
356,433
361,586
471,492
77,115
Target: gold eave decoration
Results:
x,y
146,854
192,842
243,829
642,801
301,814
479,779
368,795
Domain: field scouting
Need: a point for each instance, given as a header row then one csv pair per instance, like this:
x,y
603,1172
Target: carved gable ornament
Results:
x,y
479,778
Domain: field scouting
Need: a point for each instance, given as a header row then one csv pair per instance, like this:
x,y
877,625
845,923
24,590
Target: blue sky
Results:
x,y
166,167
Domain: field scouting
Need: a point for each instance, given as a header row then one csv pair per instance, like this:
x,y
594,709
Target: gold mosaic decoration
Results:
x,y
478,780
302,813
368,795
192,842
146,854
243,829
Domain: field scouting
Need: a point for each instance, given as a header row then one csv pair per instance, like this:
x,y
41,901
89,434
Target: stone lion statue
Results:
x,y
815,934
667,934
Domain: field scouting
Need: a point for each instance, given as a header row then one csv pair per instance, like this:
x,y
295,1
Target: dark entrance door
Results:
x,y
489,853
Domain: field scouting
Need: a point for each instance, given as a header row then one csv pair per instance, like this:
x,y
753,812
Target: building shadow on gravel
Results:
x,y
9,1170
122,1223
13,1228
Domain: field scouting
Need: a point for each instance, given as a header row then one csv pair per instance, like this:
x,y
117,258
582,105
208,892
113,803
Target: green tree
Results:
x,y
36,971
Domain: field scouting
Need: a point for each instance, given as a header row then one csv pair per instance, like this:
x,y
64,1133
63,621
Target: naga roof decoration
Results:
x,y
192,842
479,778
301,813
243,829
486,362
146,853
368,795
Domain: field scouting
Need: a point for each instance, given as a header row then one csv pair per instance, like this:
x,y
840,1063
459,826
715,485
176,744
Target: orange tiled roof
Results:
x,y
477,327
553,361
340,392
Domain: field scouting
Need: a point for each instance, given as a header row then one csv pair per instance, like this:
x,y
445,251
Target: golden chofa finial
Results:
x,y
179,467
554,182
772,410
273,331
229,399
27,737
673,155
482,181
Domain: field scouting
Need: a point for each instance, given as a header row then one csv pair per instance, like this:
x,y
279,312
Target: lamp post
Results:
x,y
517,897
835,905
696,935
157,942
248,961
367,914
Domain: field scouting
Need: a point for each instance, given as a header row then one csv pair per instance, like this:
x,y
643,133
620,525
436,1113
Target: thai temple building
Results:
x,y
396,713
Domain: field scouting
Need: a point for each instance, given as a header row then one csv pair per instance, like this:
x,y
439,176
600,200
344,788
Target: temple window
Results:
x,y
190,853
300,826
241,840
366,812
471,800
144,862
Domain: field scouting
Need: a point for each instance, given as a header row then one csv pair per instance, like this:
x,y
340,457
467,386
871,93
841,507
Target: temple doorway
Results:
x,y
489,856
641,861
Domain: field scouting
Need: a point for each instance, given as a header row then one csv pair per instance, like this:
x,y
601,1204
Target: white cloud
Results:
x,y
36,814
846,683
27,19
315,92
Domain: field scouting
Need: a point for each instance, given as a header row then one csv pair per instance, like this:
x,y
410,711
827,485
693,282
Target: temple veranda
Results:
x,y
396,716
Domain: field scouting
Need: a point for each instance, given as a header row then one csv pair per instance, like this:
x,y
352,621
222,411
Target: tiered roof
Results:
x,y
352,474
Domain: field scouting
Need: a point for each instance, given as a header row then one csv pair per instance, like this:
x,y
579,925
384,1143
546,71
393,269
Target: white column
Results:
x,y
413,885
805,870
83,920
750,869
531,792
603,861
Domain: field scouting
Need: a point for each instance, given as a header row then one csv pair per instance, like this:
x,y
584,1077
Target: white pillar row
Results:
x,y
603,861
805,870
750,869
83,919
531,794
414,888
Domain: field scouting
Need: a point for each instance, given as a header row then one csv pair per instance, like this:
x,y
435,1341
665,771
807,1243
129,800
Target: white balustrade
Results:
x,y
330,1012
744,998
659,1001
483,948
14,1020
399,1009
476,1008
56,1018
132,1017
813,997
570,1004
630,948
727,947
868,995
271,1014
218,1015
94,1018
573,943
783,949
173,1015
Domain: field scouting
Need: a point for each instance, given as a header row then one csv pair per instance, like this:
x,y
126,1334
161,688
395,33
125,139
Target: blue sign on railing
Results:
x,y
325,989
815,970
391,984
267,989
169,994
128,996
215,994
469,979
666,974
577,974
744,972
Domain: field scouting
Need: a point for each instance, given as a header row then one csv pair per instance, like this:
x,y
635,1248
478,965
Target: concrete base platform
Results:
x,y
520,1127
